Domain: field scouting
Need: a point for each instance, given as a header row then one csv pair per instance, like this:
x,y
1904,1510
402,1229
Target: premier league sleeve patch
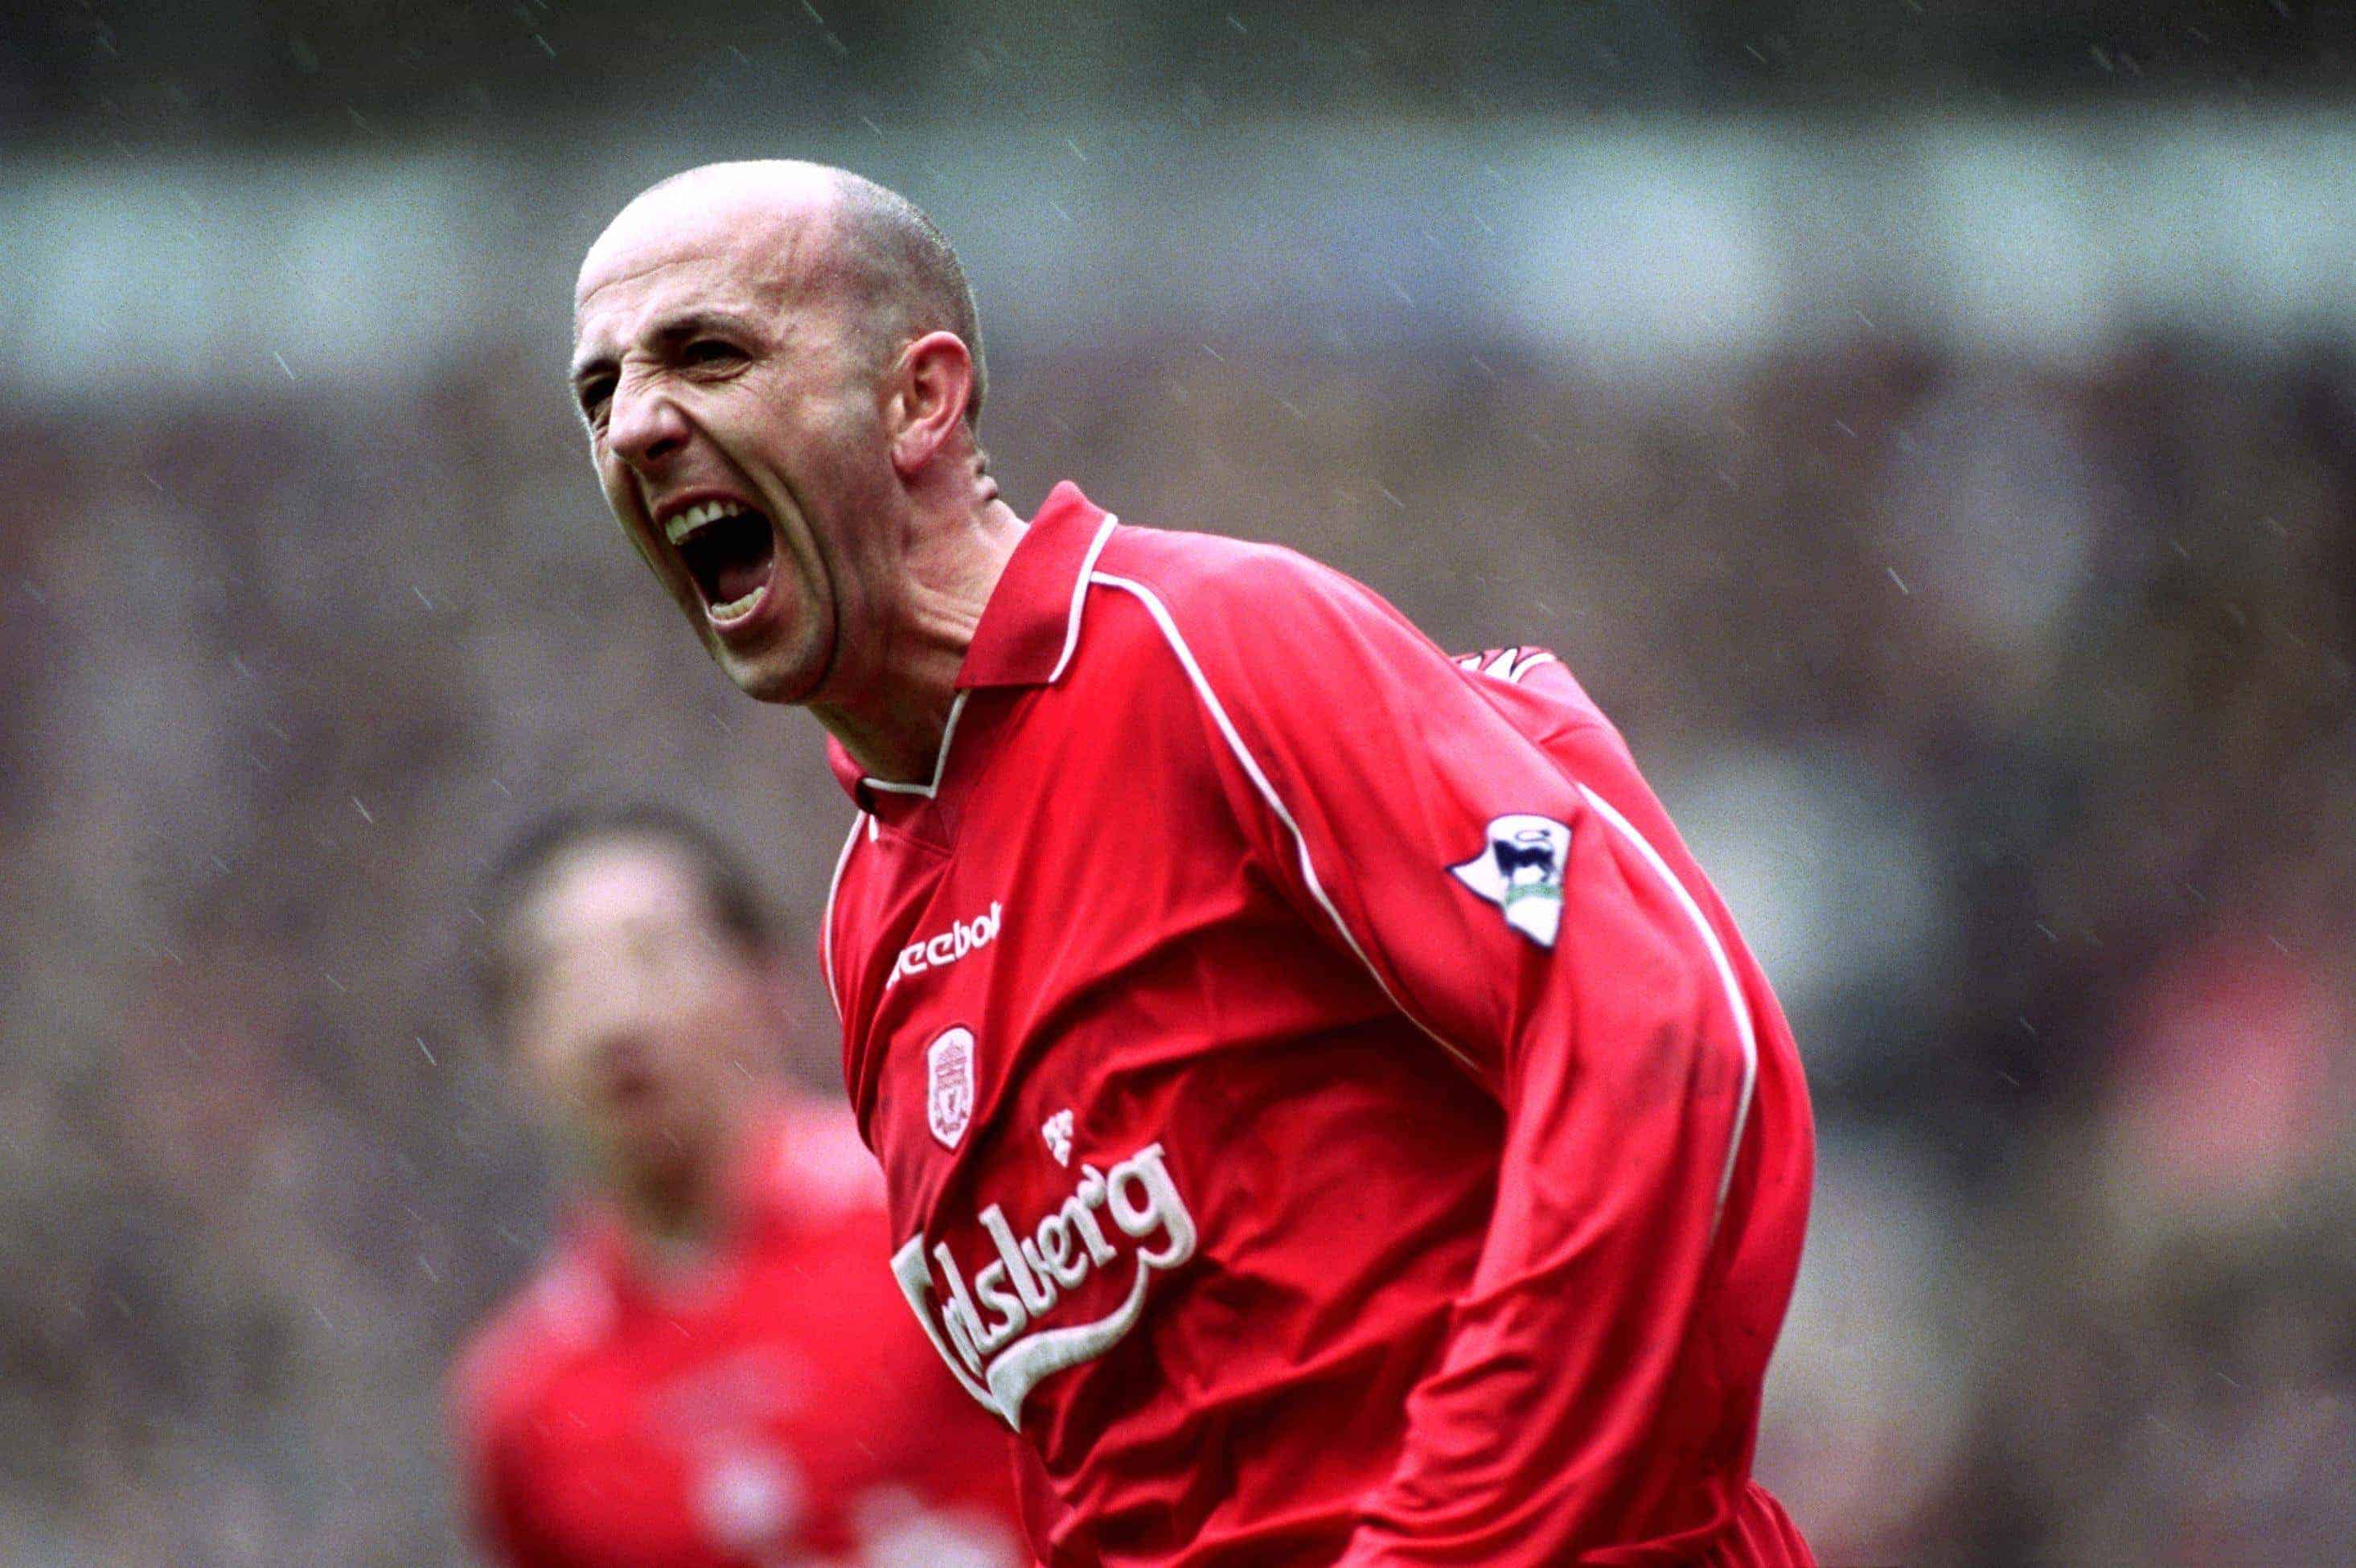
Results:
x,y
1520,871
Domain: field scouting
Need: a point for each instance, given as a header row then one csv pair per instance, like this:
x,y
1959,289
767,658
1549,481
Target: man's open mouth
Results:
x,y
729,549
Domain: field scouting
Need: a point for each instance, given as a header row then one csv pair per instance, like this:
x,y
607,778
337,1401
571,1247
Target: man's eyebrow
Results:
x,y
596,364
695,322
670,333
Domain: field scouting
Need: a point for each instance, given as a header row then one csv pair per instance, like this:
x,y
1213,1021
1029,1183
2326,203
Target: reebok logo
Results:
x,y
936,952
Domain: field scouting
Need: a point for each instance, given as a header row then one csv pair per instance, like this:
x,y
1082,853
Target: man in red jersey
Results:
x,y
709,1371
1325,1110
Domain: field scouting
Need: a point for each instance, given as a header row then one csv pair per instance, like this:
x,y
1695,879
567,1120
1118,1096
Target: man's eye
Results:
x,y
595,396
712,351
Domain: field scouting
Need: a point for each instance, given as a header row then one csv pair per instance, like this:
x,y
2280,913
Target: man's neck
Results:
x,y
893,723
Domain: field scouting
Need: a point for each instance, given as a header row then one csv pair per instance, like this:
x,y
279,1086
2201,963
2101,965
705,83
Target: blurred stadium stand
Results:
x,y
1931,434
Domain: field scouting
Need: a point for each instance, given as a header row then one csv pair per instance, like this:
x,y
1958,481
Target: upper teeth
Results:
x,y
695,517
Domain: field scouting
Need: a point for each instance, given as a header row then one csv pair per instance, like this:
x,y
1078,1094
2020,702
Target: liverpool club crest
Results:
x,y
948,1077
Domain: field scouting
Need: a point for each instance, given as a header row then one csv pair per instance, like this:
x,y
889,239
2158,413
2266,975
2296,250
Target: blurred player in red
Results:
x,y
709,1371
1324,1110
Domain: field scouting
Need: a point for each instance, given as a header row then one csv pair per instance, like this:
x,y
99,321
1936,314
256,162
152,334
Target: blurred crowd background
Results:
x,y
1929,429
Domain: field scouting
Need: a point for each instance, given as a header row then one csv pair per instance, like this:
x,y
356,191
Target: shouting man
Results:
x,y
1323,1110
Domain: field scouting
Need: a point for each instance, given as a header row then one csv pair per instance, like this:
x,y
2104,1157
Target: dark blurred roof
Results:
x,y
164,74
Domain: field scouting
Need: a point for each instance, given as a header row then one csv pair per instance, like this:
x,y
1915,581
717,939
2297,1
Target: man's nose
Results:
x,y
645,426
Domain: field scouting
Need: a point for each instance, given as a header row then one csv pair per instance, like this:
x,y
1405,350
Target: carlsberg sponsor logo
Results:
x,y
992,1332
960,938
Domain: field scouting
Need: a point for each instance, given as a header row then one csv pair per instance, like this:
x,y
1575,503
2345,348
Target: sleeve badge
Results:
x,y
1520,871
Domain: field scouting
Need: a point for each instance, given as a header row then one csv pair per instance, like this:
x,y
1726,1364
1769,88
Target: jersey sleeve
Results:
x,y
1496,864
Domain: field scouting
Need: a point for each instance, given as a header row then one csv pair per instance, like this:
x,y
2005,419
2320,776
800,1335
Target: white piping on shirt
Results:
x,y
1734,1001
940,761
1080,593
826,922
1652,857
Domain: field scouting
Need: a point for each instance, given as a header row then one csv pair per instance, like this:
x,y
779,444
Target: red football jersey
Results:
x,y
776,1411
1323,1109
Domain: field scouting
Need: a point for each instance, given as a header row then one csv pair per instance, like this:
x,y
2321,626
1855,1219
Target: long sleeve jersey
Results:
x,y
1325,1110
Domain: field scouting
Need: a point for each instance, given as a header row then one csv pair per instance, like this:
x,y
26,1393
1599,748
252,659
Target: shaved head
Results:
x,y
780,371
899,263
868,246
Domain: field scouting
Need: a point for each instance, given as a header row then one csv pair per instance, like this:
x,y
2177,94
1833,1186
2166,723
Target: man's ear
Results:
x,y
934,383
